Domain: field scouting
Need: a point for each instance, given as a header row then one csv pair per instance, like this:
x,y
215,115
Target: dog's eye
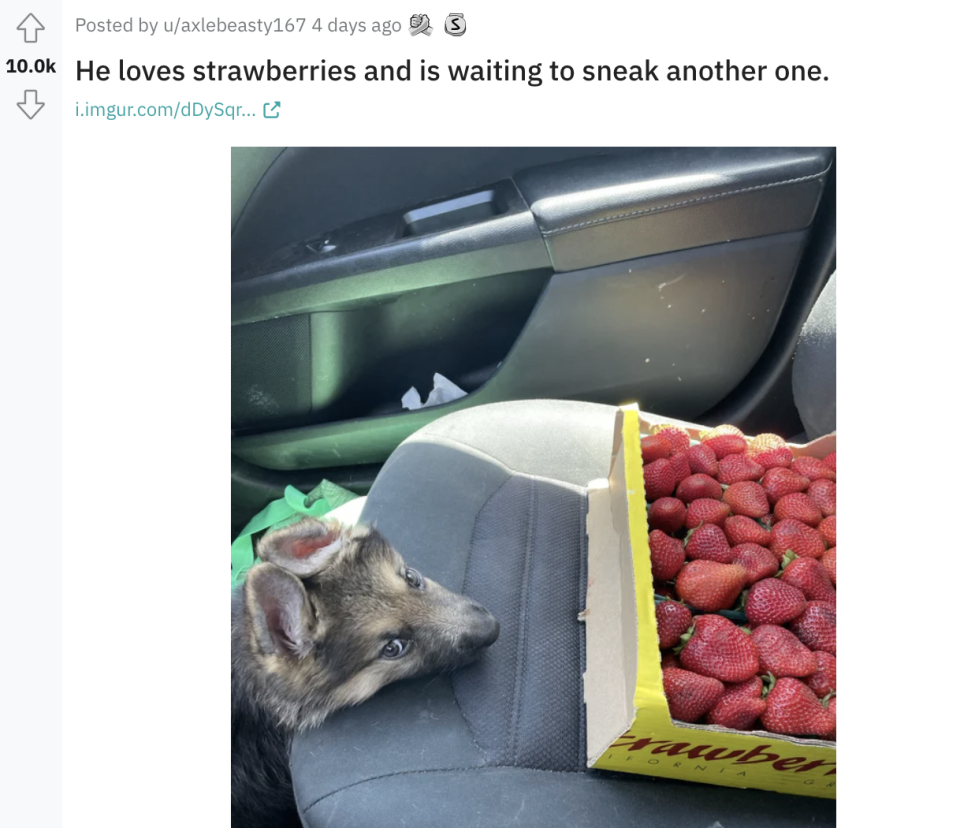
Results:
x,y
413,578
395,648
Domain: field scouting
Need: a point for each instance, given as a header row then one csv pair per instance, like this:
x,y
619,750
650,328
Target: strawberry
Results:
x,y
830,461
771,601
798,507
681,466
724,444
781,652
824,494
699,486
740,705
718,648
797,537
706,510
829,563
690,695
667,514
764,442
726,428
679,439
823,681
665,589
710,586
779,482
828,530
659,479
703,461
666,556
760,563
793,709
811,578
654,447
741,529
813,469
817,627
737,467
832,707
673,620
708,543
669,659
746,498
778,458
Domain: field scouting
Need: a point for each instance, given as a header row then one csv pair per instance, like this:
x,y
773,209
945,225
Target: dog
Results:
x,y
328,617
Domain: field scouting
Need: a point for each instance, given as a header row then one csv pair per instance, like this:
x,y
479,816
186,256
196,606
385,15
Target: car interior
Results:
x,y
550,285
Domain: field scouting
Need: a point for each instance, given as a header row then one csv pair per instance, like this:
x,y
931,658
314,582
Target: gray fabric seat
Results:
x,y
492,501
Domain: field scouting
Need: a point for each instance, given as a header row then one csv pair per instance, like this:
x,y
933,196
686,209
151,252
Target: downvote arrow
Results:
x,y
30,107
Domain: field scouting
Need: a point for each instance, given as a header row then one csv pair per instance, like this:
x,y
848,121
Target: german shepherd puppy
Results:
x,y
329,617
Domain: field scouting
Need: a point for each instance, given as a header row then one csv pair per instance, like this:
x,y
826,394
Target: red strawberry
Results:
x,y
813,469
797,537
811,578
781,653
823,681
764,442
798,507
760,563
737,467
832,707
817,627
830,461
706,510
741,529
681,466
793,709
746,498
778,458
669,659
665,589
708,543
740,705
699,486
724,444
824,494
659,479
679,439
829,563
710,586
828,530
654,447
720,649
690,695
779,482
772,601
673,620
703,461
666,556
667,514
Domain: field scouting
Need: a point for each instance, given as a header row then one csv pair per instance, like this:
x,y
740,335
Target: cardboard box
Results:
x,y
628,722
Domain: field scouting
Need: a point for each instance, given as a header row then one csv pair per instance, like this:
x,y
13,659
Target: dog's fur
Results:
x,y
314,629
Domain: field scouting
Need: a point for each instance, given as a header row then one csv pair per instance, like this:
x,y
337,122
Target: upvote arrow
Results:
x,y
30,107
30,26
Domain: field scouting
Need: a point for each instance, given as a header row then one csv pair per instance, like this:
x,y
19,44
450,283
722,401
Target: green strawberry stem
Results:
x,y
769,680
825,701
684,640
788,557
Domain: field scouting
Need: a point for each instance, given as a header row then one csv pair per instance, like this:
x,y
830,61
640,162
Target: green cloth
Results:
x,y
295,505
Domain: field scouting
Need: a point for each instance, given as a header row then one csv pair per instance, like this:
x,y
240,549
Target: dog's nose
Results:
x,y
486,628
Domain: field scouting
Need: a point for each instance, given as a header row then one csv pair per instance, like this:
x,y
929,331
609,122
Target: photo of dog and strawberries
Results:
x,y
533,385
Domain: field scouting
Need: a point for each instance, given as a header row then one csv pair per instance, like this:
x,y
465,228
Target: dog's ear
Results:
x,y
279,611
304,547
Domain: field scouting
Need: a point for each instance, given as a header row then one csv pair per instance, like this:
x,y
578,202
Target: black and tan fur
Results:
x,y
318,626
